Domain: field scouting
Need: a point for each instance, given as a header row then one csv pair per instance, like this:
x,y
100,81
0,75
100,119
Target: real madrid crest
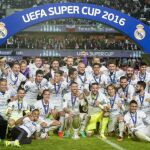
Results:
x,y
139,33
3,30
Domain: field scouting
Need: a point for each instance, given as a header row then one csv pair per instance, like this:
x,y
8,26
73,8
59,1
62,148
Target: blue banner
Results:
x,y
134,29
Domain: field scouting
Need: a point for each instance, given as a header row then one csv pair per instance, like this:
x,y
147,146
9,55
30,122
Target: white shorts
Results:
x,y
146,130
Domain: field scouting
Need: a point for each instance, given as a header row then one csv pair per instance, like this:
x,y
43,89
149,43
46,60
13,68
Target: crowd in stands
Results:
x,y
69,42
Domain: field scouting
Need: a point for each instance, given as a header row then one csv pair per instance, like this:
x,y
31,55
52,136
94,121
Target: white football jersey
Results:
x,y
145,77
83,82
89,69
71,102
114,77
32,90
3,102
101,79
133,82
17,108
30,126
14,81
57,91
114,103
43,108
135,121
128,92
142,103
100,97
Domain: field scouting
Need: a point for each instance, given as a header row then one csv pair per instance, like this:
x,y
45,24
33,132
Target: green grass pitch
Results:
x,y
54,143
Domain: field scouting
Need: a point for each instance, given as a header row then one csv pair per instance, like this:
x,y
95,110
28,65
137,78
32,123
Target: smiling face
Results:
x,y
96,60
133,107
35,115
96,69
16,69
21,94
143,69
74,88
69,62
3,86
130,72
112,67
39,78
55,65
111,91
123,83
38,62
74,75
138,88
81,68
23,67
94,89
46,96
57,77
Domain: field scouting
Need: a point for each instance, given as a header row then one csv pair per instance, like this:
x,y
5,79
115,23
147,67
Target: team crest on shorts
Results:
x,y
3,30
139,32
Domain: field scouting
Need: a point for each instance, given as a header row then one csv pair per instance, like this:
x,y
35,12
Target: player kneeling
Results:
x,y
137,123
46,114
22,134
73,117
16,109
116,112
98,107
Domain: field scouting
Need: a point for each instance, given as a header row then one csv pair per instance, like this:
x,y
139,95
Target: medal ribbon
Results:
x,y
96,80
134,118
73,100
112,79
112,101
46,108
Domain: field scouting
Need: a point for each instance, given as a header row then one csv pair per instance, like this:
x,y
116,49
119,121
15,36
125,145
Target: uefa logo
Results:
x,y
3,30
139,32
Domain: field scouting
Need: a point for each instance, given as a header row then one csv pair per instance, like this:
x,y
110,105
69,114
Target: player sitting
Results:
x,y
22,134
16,108
46,116
136,121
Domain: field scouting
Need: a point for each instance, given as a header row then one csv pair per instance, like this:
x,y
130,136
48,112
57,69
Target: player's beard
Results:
x,y
55,68
69,66
138,91
129,76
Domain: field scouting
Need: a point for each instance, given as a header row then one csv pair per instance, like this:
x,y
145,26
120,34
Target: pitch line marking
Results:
x,y
112,144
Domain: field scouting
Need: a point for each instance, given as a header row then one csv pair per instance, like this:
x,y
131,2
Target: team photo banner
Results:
x,y
131,27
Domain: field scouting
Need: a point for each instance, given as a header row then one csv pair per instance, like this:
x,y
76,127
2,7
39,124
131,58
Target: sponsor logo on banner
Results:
x,y
139,32
3,30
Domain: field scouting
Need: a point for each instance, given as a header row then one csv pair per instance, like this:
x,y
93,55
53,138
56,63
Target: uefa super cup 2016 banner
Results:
x,y
133,28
